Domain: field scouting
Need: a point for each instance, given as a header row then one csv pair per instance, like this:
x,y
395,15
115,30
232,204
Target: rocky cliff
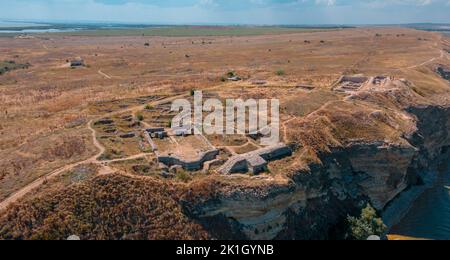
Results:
x,y
314,201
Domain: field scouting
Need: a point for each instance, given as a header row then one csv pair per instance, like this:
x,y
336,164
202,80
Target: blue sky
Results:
x,y
232,11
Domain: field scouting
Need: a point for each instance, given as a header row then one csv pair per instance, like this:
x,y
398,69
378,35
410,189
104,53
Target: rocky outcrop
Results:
x,y
385,167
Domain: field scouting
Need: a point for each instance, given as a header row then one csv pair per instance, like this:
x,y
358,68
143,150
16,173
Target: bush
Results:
x,y
280,72
148,107
192,92
366,225
183,176
231,74
140,117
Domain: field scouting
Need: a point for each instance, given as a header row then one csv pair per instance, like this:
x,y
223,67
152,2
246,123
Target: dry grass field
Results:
x,y
46,107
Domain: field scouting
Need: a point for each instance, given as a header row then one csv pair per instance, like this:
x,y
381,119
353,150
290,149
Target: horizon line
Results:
x,y
111,22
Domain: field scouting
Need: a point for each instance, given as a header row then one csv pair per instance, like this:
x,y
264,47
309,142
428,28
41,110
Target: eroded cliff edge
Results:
x,y
385,153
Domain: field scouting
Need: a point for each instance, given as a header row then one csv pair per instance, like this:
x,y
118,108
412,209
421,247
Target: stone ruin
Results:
x,y
349,84
157,132
188,165
353,84
171,160
77,63
255,162
443,72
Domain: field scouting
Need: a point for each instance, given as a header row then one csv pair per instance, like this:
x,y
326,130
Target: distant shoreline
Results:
x,y
158,30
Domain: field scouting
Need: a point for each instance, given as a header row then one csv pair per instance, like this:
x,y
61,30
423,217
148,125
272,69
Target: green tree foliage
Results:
x,y
367,224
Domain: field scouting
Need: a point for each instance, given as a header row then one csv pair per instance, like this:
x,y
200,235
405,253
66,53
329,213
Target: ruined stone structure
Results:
x,y
173,160
443,72
157,132
76,63
350,83
255,162
182,131
189,165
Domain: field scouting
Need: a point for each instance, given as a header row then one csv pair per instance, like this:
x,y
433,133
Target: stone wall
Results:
x,y
240,163
189,165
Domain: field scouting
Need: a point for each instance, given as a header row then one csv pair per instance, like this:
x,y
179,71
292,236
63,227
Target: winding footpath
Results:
x,y
442,56
38,182
104,74
104,168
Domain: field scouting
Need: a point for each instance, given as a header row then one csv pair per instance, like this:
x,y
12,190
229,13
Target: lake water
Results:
x,y
4,24
429,217
23,27
38,31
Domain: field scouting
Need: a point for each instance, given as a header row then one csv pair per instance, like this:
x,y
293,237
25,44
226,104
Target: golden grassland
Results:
x,y
137,209
45,108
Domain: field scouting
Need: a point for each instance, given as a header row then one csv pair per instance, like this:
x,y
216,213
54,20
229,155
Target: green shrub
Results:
x,y
183,176
140,117
231,74
366,225
280,72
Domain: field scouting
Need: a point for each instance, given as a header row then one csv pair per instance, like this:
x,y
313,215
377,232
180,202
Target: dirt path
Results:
x,y
137,156
442,56
285,127
104,74
38,182
104,168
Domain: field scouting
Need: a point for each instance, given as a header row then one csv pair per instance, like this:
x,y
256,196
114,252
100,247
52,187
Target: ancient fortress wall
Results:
x,y
189,165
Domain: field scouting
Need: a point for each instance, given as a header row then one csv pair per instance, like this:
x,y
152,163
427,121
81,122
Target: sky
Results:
x,y
268,12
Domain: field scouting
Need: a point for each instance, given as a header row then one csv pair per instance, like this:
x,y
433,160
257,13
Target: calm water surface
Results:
x,y
430,215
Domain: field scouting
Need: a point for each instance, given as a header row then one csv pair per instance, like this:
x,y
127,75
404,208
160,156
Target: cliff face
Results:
x,y
315,203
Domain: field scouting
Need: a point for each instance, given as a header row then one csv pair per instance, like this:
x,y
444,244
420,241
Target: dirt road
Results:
x,y
442,56
104,168
104,74
38,182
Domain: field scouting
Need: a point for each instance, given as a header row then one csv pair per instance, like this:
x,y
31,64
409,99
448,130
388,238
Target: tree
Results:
x,y
367,224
